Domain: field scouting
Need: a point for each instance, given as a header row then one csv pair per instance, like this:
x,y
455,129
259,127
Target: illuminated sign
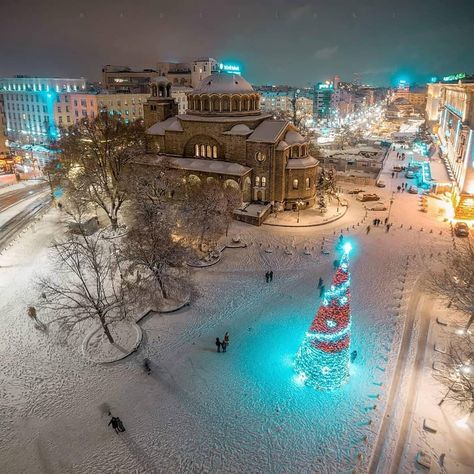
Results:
x,y
231,68
454,77
325,86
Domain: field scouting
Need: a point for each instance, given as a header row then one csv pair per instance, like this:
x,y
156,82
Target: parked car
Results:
x,y
461,229
367,197
409,174
380,183
413,190
397,169
356,191
380,206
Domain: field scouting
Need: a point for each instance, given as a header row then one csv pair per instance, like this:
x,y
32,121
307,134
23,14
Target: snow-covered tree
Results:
x,y
96,154
87,284
153,242
454,281
457,372
208,211
326,188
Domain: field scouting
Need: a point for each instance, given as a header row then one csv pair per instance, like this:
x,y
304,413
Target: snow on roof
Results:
x,y
221,119
268,131
170,124
301,163
198,165
222,83
282,145
239,129
292,137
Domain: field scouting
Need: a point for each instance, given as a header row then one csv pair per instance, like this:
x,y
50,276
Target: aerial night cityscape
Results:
x,y
237,237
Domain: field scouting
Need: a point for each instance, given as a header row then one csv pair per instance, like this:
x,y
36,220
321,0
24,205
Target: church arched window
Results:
x,y
196,150
214,151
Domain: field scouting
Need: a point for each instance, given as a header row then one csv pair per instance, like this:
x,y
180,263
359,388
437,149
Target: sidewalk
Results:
x,y
308,217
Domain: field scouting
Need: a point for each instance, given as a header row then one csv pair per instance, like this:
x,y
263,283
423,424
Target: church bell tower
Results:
x,y
160,105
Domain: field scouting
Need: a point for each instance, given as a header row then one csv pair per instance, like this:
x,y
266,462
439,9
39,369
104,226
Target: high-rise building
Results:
x,y
29,106
323,92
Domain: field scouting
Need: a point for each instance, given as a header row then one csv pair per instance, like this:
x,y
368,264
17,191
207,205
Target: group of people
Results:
x,y
401,156
116,423
269,276
402,188
222,344
376,222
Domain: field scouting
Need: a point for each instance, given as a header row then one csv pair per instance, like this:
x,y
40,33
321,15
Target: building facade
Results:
x,y
282,103
3,129
456,135
323,92
224,135
30,104
72,107
123,79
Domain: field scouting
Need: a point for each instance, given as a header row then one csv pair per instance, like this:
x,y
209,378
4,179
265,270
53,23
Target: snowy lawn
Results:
x,y
202,411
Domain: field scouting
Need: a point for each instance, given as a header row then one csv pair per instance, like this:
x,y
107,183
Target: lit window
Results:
x,y
214,151
196,150
295,184
264,181
203,150
260,157
209,151
257,180
308,183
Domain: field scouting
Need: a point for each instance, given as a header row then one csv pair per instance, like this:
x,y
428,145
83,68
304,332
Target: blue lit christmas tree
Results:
x,y
323,358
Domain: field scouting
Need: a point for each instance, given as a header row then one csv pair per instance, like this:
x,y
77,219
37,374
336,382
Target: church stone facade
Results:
x,y
225,136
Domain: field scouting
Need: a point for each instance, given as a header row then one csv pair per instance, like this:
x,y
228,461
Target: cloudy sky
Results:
x,y
276,41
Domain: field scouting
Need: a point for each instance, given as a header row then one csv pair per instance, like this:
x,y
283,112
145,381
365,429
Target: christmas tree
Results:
x,y
323,358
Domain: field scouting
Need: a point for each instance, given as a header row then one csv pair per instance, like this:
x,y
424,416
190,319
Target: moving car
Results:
x,y
367,197
413,190
461,229
380,206
380,183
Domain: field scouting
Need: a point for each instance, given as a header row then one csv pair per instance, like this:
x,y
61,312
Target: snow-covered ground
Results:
x,y
201,411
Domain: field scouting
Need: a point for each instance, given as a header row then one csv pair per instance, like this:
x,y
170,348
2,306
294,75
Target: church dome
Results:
x,y
224,94
223,83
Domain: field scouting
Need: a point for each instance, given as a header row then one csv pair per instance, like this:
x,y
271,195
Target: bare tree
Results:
x,y
208,210
153,242
97,154
87,284
457,373
454,282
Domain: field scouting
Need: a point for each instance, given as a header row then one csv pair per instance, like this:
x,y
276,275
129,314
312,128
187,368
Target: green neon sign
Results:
x,y
454,77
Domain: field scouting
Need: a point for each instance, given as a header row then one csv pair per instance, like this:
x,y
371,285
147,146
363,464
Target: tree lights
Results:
x,y
323,358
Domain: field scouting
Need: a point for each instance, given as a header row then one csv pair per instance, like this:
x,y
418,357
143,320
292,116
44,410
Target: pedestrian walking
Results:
x,y
393,174
403,190
321,291
403,185
226,338
114,422
335,264
399,188
368,229
374,222
386,220
320,282
121,428
147,366
267,276
271,275
218,344
353,356
387,228
224,346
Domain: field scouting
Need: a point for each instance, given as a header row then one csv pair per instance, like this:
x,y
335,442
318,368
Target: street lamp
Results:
x,y
299,205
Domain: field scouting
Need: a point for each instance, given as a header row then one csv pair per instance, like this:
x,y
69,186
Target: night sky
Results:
x,y
275,41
